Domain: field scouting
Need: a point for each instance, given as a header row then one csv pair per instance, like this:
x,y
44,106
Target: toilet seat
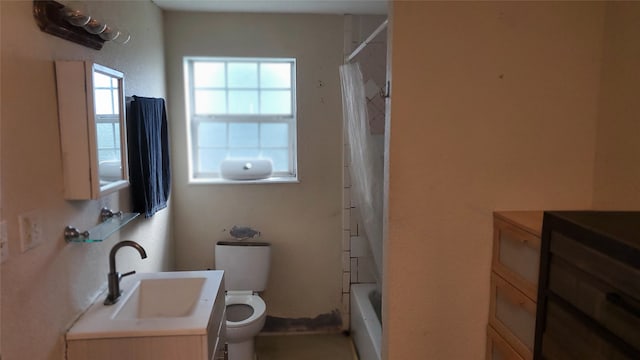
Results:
x,y
249,299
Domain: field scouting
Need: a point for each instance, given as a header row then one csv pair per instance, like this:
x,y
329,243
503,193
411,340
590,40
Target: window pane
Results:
x,y
208,74
273,75
209,160
275,102
274,135
243,75
243,135
243,102
116,102
101,80
106,155
210,102
279,157
103,102
105,136
212,134
244,153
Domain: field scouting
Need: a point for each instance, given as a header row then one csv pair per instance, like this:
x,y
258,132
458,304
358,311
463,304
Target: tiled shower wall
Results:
x,y
357,263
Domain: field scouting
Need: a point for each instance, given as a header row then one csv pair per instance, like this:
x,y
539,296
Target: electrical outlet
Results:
x,y
30,230
4,242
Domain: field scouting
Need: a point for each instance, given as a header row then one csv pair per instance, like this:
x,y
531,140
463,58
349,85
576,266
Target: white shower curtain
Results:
x,y
366,177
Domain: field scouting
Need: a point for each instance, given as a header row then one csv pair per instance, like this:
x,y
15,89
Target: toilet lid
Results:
x,y
244,309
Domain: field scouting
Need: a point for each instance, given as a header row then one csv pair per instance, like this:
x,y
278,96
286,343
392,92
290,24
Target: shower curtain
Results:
x,y
366,182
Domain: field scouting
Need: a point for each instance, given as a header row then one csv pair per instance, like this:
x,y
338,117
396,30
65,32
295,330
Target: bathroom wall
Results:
x,y
45,289
302,221
617,175
494,107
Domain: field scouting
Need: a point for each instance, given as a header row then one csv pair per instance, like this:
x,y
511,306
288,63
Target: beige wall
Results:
x,y
303,221
617,176
494,106
45,289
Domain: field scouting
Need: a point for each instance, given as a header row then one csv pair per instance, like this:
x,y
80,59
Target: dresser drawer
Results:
x,y
516,256
608,269
589,304
498,348
614,311
512,314
566,337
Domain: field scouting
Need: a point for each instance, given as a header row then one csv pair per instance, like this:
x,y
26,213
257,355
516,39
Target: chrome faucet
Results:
x,y
114,277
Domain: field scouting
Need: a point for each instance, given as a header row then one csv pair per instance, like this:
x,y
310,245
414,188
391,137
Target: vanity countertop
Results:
x,y
127,318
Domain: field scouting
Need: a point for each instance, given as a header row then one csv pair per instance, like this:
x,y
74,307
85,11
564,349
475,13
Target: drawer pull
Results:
x,y
617,300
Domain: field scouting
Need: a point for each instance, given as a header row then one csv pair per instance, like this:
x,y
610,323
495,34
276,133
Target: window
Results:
x,y
241,108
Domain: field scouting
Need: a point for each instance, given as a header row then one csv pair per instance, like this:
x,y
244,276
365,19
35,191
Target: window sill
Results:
x,y
271,180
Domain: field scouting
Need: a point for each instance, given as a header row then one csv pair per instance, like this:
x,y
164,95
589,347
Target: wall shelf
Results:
x,y
101,231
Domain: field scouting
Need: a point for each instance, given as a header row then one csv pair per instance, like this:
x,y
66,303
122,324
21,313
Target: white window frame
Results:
x,y
193,120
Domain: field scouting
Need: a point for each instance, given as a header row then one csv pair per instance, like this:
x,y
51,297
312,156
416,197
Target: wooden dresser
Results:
x,y
514,284
589,298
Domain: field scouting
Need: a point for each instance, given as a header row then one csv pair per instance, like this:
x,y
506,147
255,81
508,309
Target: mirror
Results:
x,y
92,129
109,127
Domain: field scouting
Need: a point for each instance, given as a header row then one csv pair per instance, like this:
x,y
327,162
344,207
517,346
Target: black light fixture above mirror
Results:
x,y
74,25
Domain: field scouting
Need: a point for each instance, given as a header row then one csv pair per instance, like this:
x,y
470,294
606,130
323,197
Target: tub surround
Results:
x,y
358,265
366,329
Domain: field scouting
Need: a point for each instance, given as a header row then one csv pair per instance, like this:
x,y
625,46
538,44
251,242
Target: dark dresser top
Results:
x,y
620,229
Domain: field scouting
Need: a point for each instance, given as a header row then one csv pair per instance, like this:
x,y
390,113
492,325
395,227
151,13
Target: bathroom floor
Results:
x,y
305,347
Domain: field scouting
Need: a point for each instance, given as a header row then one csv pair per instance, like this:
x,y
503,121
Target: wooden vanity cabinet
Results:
x,y
589,299
209,345
514,283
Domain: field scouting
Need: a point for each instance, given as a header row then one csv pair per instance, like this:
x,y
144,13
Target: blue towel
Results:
x,y
148,145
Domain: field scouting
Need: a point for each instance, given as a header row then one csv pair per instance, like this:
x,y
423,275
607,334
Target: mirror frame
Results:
x,y
78,137
92,68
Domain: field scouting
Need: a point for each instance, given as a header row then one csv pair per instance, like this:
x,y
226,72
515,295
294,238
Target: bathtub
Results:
x,y
366,330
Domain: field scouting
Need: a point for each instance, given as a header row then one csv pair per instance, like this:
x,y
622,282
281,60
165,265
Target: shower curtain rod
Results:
x,y
367,41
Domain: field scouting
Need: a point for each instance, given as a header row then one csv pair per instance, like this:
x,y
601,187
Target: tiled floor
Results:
x,y
305,347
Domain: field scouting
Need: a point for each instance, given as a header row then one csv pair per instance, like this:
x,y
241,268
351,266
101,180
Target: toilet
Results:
x,y
246,269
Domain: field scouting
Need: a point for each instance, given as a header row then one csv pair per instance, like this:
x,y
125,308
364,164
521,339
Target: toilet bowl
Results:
x,y
246,314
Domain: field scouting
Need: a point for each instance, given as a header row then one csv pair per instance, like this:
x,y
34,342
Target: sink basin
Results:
x,y
162,298
154,304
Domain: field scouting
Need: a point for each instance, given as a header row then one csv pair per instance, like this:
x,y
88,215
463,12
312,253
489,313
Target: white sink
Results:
x,y
154,304
161,298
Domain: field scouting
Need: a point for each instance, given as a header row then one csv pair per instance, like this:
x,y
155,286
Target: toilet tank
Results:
x,y
245,263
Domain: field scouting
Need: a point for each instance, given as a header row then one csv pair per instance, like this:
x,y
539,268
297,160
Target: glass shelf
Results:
x,y
101,231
